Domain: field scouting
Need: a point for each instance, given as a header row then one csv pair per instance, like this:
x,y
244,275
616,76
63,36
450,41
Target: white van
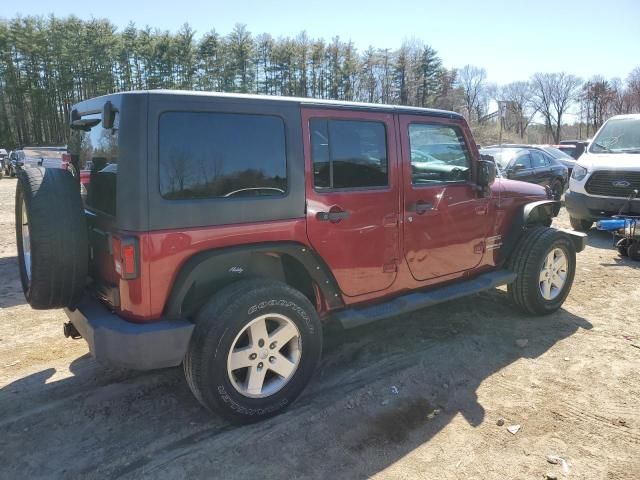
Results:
x,y
606,178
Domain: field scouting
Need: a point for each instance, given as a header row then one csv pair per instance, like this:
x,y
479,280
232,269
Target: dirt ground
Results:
x,y
417,396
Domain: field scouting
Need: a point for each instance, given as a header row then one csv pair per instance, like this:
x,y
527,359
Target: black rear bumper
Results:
x,y
139,346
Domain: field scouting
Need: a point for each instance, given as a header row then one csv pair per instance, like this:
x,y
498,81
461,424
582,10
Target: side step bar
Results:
x,y
354,317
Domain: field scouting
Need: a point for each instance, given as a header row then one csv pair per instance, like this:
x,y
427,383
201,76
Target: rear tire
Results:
x,y
545,261
633,250
224,353
51,237
580,225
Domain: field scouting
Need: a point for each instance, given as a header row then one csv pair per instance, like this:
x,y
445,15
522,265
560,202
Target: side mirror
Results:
x,y
517,167
486,173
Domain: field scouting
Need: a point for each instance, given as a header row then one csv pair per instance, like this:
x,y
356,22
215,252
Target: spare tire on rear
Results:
x,y
51,236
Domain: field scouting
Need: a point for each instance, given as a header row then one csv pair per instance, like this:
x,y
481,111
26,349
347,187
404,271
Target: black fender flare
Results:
x,y
550,207
527,214
206,272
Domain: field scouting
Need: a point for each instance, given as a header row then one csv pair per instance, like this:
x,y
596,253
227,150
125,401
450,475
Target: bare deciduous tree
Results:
x,y
622,99
633,85
553,94
521,106
472,82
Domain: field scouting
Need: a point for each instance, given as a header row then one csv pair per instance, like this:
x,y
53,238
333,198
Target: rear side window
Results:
x,y
97,150
348,154
523,161
212,155
539,160
439,154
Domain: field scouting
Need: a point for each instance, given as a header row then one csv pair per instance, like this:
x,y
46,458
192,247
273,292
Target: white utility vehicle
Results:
x,y
606,179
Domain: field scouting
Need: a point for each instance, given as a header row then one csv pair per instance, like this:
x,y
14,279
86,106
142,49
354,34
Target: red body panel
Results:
x,y
449,237
377,252
163,253
361,250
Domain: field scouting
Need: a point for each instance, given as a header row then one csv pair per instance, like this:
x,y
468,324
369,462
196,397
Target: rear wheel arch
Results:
x,y
208,272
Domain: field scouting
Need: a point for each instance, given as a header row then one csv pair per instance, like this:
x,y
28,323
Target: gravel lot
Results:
x,y
574,389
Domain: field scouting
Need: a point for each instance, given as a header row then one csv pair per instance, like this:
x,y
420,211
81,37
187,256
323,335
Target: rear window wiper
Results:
x,y
85,124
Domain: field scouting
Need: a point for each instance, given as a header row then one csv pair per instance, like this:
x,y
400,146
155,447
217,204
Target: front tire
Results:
x,y
580,225
545,261
255,347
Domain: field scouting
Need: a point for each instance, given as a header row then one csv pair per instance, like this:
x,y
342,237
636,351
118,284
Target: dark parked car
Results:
x,y
530,164
47,157
220,232
573,148
13,163
560,156
4,156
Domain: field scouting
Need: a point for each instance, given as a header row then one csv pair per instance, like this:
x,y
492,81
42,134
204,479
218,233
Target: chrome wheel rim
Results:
x,y
553,275
264,356
26,241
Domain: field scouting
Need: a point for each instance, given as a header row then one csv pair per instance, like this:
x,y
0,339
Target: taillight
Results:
x,y
125,257
66,161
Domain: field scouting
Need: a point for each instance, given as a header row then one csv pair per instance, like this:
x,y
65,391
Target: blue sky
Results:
x,y
512,40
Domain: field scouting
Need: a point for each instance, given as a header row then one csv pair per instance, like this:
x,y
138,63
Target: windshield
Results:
x,y
619,135
502,156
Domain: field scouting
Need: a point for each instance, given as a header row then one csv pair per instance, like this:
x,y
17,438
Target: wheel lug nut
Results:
x,y
260,365
272,346
253,356
261,343
272,359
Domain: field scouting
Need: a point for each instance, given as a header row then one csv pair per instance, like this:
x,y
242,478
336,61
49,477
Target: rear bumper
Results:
x,y
117,342
586,207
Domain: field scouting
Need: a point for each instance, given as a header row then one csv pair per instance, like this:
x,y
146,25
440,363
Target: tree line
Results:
x,y
48,64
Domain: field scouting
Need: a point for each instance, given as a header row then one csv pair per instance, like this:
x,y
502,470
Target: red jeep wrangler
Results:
x,y
219,231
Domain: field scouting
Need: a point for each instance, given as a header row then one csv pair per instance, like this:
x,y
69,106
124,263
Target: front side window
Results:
x,y
348,154
213,155
439,154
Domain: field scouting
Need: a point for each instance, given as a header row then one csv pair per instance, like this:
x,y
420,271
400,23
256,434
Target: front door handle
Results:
x,y
335,216
421,207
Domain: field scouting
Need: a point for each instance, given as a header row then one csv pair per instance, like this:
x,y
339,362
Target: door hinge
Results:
x,y
482,209
390,220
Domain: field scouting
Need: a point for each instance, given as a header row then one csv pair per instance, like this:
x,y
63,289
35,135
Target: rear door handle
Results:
x,y
421,207
332,216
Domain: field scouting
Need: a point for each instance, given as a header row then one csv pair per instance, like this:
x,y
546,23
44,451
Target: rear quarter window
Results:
x,y
97,150
221,155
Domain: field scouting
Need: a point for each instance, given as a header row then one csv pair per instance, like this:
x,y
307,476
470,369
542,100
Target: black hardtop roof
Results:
x,y
311,102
